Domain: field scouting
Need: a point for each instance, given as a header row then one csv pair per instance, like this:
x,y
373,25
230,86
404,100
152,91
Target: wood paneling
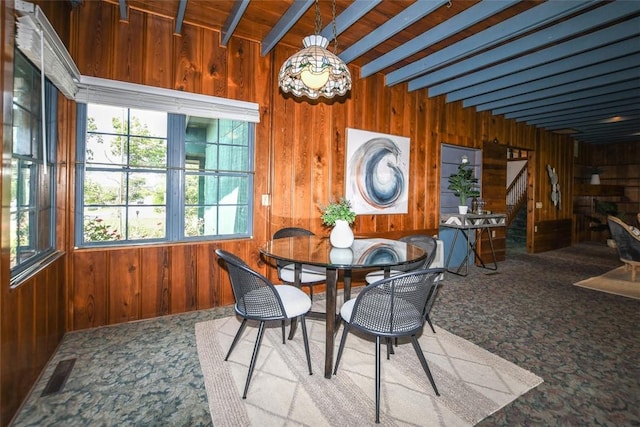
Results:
x,y
155,266
494,193
620,183
32,325
89,291
553,234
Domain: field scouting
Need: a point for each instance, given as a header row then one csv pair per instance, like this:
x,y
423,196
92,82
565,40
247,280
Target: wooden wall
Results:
x,y
620,183
300,163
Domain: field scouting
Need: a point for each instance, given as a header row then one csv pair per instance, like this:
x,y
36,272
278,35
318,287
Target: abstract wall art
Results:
x,y
377,177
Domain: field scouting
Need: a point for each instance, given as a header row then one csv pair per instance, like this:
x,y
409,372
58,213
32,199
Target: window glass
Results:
x,y
31,214
125,177
218,179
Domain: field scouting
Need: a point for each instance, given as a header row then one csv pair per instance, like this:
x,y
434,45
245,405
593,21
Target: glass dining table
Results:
x,y
363,254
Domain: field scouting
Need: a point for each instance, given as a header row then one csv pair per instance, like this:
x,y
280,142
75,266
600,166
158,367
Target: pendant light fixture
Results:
x,y
314,71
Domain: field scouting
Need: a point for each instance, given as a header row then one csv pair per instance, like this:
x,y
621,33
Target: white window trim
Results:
x,y
36,38
94,90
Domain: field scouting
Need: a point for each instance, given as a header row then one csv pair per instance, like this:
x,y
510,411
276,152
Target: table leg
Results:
x,y
468,249
453,245
478,235
346,281
330,323
296,282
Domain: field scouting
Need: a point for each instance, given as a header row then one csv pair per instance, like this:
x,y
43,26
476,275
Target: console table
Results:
x,y
466,225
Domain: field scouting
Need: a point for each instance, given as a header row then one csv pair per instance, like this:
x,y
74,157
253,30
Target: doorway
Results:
x,y
518,164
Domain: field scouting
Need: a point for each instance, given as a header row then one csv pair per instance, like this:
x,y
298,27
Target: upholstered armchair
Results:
x,y
627,242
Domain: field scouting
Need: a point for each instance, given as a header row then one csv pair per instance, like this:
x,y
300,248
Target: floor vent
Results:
x,y
59,377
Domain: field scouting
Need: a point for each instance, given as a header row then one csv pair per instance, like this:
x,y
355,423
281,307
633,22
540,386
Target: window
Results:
x,y
146,176
451,156
32,168
218,187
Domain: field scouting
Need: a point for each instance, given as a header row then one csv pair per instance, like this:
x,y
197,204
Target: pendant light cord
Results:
x,y
335,29
318,18
318,24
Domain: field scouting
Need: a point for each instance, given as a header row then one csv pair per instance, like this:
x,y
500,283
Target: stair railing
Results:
x,y
516,194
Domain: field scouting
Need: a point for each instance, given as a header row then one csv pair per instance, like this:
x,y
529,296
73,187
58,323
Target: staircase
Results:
x,y
516,240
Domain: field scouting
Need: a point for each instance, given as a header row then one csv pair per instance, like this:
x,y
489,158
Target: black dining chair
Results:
x,y
310,275
391,308
423,241
430,245
259,299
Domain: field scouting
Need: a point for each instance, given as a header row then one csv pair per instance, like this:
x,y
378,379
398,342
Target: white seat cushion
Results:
x,y
377,275
347,309
309,273
295,301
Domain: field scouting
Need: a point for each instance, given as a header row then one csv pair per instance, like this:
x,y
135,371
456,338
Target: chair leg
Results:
x,y
342,341
311,292
423,361
236,338
306,343
254,356
283,333
430,324
378,378
294,326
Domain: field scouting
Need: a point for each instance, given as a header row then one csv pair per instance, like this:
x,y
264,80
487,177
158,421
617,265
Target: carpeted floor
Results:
x,y
585,344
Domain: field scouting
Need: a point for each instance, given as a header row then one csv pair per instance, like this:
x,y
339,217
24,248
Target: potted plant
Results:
x,y
463,184
339,215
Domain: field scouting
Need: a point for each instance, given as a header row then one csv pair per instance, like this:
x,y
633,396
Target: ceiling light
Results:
x,y
613,119
314,71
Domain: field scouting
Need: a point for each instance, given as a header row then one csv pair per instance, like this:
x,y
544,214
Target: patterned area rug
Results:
x,y
473,382
617,281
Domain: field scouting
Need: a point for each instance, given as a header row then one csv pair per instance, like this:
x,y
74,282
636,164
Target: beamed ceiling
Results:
x,y
565,66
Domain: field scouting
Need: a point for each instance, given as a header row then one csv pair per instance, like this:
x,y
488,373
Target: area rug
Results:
x,y
473,383
617,281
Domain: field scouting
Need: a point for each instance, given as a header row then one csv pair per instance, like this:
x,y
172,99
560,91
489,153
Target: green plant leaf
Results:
x,y
337,210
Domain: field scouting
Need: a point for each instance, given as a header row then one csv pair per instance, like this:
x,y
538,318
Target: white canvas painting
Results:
x,y
377,177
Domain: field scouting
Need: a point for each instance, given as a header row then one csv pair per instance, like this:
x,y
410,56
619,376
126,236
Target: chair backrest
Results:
x,y
396,306
291,232
627,242
426,242
255,295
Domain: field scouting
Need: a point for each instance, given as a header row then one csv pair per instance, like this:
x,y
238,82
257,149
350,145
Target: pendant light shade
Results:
x,y
314,71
